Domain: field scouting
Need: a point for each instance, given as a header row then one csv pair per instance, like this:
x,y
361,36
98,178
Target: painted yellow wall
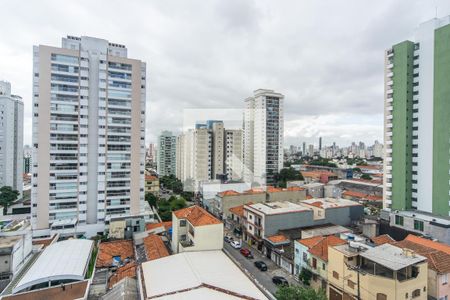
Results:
x,y
371,285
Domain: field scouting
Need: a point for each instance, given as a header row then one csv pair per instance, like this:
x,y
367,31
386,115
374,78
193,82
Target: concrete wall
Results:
x,y
207,237
338,216
291,196
223,204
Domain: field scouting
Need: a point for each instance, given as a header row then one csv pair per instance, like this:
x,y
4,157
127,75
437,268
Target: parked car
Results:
x,y
247,253
279,280
226,239
236,244
261,265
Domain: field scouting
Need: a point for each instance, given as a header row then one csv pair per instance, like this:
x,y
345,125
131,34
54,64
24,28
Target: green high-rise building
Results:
x,y
417,121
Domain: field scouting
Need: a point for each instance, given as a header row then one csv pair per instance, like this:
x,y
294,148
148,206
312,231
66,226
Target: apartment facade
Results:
x,y
88,136
417,121
263,136
11,138
167,144
233,156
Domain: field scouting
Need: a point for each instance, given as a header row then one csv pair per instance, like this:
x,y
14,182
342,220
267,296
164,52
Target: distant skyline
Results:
x,y
214,54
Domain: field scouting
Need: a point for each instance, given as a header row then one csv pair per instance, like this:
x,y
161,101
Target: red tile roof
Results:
x,y
128,270
239,210
316,204
167,225
382,239
320,249
271,189
150,178
229,193
363,196
154,247
437,254
295,189
107,250
278,238
310,242
254,191
197,216
317,174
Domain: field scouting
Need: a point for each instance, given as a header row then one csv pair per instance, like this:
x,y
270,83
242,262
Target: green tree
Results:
x,y
295,292
7,196
305,276
164,210
178,203
366,177
285,175
151,199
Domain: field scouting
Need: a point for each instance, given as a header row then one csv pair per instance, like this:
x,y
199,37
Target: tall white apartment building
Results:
x,y
194,156
11,138
234,165
209,152
263,136
88,136
167,154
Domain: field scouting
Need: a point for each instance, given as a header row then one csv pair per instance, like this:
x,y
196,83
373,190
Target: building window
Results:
x,y
399,220
416,293
323,266
350,284
335,275
418,225
182,223
444,278
314,263
381,296
305,257
183,237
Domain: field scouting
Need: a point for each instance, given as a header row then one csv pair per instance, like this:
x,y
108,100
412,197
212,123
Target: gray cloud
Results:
x,y
325,56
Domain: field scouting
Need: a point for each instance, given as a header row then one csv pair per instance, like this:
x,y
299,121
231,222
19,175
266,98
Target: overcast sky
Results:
x,y
326,57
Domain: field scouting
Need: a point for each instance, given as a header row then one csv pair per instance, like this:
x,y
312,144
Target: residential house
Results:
x,y
385,272
422,223
151,184
438,255
195,229
114,253
235,221
363,198
311,254
155,247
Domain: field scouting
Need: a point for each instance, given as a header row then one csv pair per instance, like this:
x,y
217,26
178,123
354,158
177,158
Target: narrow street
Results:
x,y
264,278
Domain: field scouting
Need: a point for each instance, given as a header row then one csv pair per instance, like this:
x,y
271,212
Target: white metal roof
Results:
x,y
392,257
62,260
270,208
189,270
